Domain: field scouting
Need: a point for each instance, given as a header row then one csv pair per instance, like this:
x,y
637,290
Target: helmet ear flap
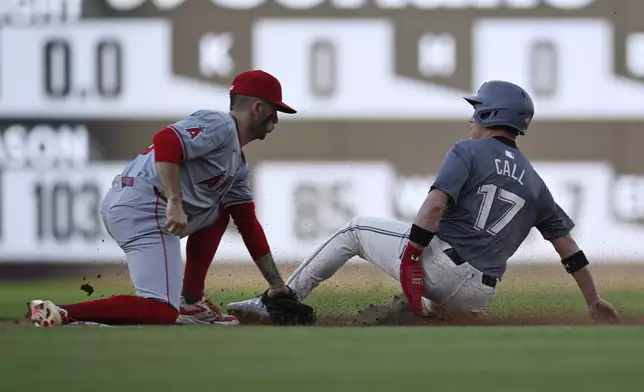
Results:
x,y
483,117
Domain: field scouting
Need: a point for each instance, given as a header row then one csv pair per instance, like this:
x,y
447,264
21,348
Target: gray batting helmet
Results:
x,y
500,103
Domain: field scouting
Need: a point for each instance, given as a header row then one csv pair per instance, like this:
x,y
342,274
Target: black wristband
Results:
x,y
575,262
420,236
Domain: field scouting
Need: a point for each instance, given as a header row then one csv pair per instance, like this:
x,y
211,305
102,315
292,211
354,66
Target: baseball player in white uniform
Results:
x,y
485,200
187,183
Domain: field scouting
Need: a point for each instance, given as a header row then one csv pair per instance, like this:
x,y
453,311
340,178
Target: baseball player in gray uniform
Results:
x,y
181,186
485,200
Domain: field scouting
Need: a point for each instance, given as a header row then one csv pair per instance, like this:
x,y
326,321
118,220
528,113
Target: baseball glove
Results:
x,y
286,309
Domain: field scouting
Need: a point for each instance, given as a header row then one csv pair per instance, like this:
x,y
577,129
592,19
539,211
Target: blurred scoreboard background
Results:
x,y
378,86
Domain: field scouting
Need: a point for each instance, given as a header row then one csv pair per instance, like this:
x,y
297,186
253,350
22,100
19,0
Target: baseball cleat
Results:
x,y
46,314
203,312
252,307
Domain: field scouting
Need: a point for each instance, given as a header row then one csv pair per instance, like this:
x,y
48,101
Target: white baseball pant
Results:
x,y
450,289
134,216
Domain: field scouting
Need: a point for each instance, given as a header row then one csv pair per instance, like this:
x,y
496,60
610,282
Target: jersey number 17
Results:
x,y
490,193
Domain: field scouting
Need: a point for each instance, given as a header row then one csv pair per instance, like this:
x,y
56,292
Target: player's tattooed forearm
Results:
x,y
267,266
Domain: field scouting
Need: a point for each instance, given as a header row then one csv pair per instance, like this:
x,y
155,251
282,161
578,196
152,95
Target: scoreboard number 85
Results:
x,y
65,211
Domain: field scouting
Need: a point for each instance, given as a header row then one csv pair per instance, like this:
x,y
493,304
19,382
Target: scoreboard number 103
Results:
x,y
67,211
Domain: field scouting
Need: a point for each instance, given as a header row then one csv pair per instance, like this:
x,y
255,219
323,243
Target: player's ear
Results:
x,y
256,108
274,112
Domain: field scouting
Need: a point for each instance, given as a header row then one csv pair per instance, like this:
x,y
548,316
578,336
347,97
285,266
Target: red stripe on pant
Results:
x,y
165,252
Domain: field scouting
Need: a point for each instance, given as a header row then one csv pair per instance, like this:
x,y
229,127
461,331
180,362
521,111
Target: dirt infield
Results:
x,y
519,276
624,276
357,277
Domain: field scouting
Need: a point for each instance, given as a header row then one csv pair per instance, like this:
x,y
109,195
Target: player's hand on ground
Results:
x,y
603,311
272,292
285,308
176,219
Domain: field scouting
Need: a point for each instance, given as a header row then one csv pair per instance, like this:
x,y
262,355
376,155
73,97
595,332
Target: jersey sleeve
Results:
x,y
552,220
202,132
240,192
454,171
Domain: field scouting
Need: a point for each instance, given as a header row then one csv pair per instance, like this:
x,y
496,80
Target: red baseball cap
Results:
x,y
260,84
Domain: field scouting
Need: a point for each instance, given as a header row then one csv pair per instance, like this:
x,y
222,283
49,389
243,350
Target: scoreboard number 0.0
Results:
x,y
65,211
59,69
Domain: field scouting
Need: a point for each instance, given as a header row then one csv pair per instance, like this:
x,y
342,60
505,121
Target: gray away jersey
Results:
x,y
213,169
496,199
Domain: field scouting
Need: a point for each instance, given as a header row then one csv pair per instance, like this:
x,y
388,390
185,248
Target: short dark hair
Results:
x,y
506,128
240,102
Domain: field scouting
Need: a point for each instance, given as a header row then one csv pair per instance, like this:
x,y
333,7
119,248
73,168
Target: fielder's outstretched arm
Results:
x,y
256,242
576,263
239,203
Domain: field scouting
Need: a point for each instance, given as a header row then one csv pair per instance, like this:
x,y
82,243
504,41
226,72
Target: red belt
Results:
x,y
129,181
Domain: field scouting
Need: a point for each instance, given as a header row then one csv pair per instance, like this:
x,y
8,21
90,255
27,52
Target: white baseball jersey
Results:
x,y
213,169
213,172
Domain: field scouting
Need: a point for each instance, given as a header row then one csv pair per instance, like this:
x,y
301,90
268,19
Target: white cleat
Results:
x,y
203,312
252,307
46,314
